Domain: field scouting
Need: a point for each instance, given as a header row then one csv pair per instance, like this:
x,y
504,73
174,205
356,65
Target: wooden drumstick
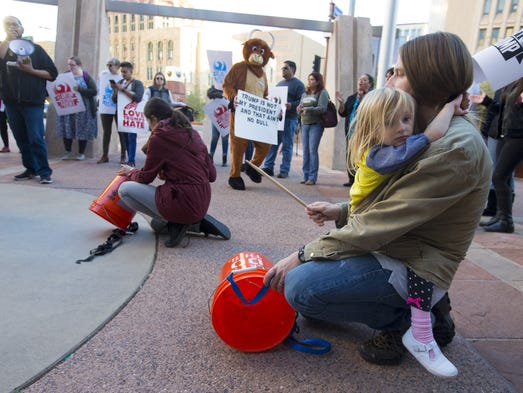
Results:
x,y
300,201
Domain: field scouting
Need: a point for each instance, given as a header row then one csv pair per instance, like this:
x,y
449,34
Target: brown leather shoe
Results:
x,y
103,160
385,348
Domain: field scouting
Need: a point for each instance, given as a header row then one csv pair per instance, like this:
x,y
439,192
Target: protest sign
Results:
x,y
220,63
278,94
65,99
105,103
500,63
256,118
130,115
218,112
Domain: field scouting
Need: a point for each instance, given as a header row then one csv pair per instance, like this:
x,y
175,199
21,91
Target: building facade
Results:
x,y
479,23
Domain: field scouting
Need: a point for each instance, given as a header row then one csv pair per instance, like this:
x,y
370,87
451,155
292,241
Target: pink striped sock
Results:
x,y
421,325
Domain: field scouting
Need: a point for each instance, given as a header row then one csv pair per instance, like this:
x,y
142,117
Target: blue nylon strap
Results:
x,y
263,290
313,346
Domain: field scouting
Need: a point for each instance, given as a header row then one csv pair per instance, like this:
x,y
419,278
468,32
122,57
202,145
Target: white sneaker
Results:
x,y
80,157
429,356
67,156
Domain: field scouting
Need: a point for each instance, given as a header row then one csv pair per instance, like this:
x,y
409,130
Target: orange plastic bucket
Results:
x,y
109,206
246,315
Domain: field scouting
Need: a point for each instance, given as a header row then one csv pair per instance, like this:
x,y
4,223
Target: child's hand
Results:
x,y
459,106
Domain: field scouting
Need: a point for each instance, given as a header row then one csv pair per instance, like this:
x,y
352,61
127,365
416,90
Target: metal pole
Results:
x,y
352,7
388,37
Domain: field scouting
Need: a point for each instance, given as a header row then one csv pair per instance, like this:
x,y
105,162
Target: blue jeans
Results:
x,y
285,138
311,136
27,124
214,142
350,290
130,146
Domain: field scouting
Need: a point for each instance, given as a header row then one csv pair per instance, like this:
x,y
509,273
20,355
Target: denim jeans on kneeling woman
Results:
x,y
350,290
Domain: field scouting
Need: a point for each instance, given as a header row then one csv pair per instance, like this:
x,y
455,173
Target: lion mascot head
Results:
x,y
256,53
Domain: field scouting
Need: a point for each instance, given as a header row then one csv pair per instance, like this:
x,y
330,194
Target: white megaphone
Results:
x,y
23,49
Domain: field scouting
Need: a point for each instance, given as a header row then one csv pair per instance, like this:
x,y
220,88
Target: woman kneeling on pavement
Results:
x,y
424,218
177,155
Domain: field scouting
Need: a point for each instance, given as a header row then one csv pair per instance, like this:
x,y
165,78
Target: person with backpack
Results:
x,y
81,126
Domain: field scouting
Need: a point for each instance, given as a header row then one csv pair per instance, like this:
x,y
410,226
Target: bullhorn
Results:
x,y
22,47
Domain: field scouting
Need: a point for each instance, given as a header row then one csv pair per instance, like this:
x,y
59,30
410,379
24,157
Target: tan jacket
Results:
x,y
425,215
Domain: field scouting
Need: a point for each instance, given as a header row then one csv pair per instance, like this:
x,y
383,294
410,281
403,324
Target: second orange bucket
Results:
x,y
245,314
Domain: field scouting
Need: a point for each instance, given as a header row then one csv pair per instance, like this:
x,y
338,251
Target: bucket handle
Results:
x,y
263,290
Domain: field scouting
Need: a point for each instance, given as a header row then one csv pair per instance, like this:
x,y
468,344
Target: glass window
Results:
x,y
133,22
149,73
116,28
509,31
499,8
514,5
159,53
495,36
481,37
486,7
141,26
150,22
150,51
170,50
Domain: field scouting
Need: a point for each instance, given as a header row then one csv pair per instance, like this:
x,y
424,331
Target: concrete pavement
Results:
x,y
137,320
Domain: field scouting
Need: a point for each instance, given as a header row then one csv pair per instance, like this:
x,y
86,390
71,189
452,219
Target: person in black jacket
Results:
x,y
509,152
23,89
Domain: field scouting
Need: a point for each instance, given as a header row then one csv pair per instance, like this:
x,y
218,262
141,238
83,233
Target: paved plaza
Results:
x,y
137,319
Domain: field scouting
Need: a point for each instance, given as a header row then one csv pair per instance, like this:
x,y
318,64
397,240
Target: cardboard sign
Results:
x,y
218,112
220,63
278,94
130,115
65,99
500,63
256,118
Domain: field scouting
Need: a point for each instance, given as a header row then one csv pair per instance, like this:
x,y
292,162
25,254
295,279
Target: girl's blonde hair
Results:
x,y
379,108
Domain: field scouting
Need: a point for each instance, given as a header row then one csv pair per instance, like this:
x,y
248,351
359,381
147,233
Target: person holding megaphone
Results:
x,y
24,69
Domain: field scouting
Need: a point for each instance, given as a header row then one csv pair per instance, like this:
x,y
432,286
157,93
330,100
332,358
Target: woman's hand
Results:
x,y
478,98
125,170
319,212
275,277
339,97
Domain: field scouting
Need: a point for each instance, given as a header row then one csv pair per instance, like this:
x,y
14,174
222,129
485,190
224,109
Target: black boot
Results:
x,y
493,220
176,234
224,160
504,223
443,329
490,209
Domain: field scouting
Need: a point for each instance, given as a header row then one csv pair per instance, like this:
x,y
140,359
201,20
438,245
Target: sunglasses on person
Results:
x,y
159,78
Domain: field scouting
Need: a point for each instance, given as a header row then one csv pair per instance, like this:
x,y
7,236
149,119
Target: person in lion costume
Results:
x,y
247,75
